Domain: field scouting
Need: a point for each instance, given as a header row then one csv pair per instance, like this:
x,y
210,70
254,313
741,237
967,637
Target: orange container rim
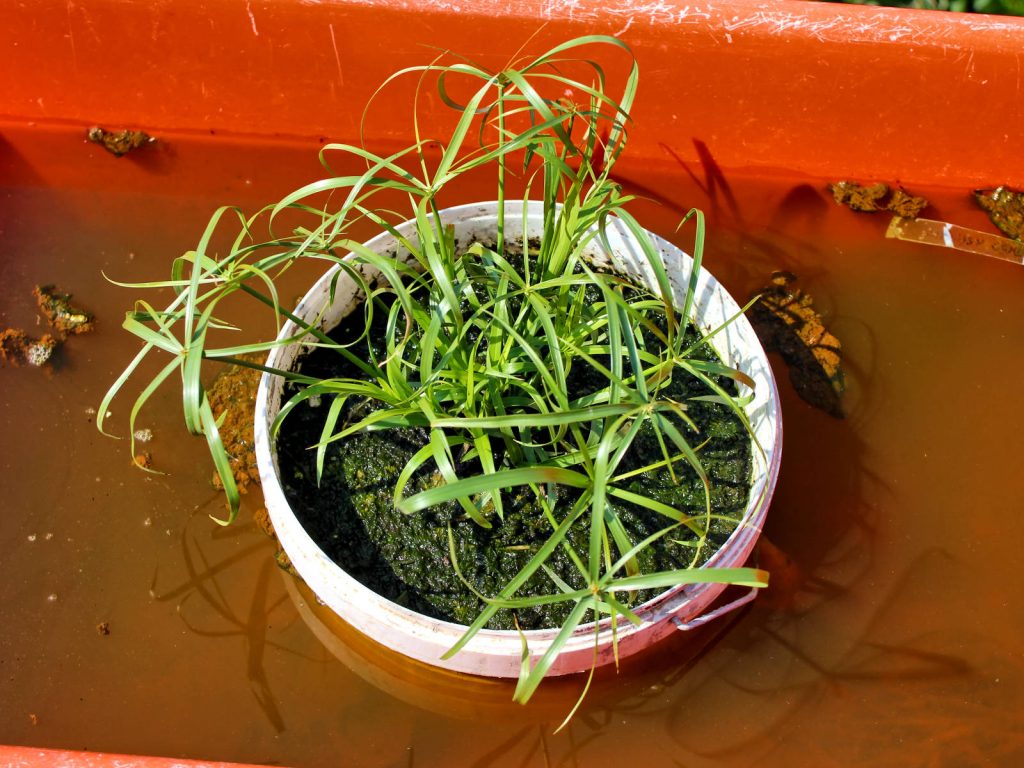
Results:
x,y
804,88
815,89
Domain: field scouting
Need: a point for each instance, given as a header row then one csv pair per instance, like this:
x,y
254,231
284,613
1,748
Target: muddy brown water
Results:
x,y
893,634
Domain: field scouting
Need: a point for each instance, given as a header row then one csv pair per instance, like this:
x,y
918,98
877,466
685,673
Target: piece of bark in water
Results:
x,y
786,322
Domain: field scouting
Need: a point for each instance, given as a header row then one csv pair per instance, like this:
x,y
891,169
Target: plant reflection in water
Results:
x,y
210,610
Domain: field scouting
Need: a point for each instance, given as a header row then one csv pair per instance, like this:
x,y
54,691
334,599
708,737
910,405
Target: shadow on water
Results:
x,y
714,185
221,614
906,668
835,636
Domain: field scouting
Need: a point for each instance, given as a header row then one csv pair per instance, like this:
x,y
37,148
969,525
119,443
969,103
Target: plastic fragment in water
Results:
x,y
947,235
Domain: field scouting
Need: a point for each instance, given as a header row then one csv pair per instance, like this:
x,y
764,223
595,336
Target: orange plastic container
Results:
x,y
30,757
801,89
807,88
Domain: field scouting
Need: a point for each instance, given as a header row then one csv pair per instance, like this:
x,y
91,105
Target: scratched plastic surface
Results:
x,y
893,634
820,88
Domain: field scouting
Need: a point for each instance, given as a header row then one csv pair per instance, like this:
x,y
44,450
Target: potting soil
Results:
x,y
407,558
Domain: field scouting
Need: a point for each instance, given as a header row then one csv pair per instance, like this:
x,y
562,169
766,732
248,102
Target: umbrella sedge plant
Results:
x,y
483,340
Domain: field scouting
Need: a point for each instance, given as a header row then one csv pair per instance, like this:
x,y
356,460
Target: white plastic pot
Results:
x,y
492,652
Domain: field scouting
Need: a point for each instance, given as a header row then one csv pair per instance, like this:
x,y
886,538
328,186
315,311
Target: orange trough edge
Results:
x,y
30,757
806,88
816,89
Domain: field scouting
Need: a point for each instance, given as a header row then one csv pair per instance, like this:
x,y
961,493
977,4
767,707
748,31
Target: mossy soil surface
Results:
x,y
406,557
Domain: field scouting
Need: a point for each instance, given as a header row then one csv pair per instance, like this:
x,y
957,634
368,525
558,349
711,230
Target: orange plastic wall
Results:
x,y
826,91
30,757
818,89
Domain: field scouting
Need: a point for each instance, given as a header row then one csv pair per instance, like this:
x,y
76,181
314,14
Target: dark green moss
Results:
x,y
406,558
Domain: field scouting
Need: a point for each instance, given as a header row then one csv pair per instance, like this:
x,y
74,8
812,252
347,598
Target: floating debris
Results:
x,y
261,518
18,348
1006,209
786,322
103,628
39,351
947,235
877,197
59,311
232,397
904,204
119,143
857,197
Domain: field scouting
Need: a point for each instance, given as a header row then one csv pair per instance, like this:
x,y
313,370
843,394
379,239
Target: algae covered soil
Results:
x,y
408,558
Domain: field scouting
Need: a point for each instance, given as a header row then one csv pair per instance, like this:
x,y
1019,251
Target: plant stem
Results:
x,y
500,241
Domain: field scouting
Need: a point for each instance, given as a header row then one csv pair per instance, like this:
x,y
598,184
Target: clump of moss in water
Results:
x,y
406,558
1005,208
19,348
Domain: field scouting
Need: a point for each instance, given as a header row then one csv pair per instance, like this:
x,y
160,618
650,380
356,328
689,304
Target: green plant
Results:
x,y
483,341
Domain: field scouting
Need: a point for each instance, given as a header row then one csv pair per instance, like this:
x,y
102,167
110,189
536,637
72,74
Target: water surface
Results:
x,y
893,636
